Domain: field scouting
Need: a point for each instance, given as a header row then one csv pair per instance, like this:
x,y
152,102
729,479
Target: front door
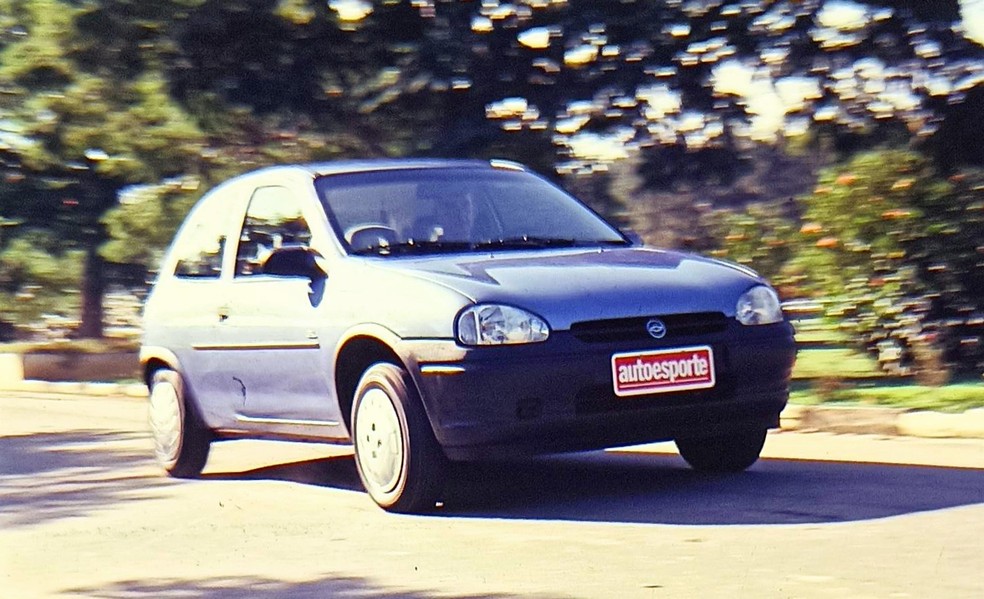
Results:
x,y
270,357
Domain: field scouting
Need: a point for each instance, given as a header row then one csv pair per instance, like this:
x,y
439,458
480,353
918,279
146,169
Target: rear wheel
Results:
x,y
733,452
181,440
399,460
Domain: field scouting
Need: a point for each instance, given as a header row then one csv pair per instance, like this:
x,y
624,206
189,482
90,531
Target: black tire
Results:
x,y
181,440
726,453
399,461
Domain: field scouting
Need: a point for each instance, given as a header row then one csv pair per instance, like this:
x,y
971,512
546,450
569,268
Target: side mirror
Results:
x,y
296,261
633,237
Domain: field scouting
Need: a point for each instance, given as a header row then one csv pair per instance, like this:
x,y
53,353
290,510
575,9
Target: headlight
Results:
x,y
758,305
493,324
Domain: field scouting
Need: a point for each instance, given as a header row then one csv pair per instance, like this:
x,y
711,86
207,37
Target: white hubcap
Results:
x,y
165,421
379,444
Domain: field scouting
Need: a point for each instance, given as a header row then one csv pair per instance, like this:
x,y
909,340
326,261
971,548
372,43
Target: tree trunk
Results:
x,y
93,288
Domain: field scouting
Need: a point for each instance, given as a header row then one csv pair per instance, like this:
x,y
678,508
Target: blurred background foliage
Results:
x,y
834,145
895,250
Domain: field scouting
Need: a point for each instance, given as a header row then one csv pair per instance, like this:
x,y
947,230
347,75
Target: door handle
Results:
x,y
223,313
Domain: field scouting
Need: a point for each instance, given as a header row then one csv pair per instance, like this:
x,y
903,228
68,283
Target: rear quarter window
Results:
x,y
200,245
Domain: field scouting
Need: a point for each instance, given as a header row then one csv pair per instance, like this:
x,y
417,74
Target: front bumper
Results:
x,y
558,395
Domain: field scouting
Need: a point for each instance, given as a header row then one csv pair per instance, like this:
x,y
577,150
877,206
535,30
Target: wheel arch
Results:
x,y
361,349
154,358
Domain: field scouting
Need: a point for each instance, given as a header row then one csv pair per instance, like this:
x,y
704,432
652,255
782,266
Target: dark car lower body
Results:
x,y
560,395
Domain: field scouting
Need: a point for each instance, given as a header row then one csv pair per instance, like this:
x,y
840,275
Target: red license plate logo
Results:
x,y
663,371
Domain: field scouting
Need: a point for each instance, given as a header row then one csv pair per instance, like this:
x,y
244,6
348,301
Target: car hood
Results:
x,y
567,286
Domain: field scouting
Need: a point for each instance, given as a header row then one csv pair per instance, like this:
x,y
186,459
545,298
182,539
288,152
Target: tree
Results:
x,y
102,95
38,279
761,236
88,119
890,246
898,245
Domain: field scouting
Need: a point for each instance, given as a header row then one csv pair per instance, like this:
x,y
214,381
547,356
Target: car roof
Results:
x,y
347,166
340,167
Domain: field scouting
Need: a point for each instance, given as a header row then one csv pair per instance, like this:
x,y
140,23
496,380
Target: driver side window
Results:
x,y
273,220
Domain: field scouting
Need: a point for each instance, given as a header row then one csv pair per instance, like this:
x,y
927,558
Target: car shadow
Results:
x,y
657,488
334,472
49,476
642,487
336,587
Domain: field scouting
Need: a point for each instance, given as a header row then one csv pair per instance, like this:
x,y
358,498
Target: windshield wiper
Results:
x,y
530,241
414,247
509,243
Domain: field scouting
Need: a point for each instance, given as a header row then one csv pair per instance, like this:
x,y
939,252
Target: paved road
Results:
x,y
83,512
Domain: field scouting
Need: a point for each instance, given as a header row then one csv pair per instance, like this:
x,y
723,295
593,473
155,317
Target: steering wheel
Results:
x,y
366,236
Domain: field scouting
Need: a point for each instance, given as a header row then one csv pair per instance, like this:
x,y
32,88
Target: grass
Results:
x,y
949,398
834,363
845,376
820,335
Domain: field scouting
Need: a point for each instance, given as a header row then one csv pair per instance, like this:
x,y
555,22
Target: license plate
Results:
x,y
663,371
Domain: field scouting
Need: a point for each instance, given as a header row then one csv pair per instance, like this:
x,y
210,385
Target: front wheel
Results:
x,y
733,452
399,460
181,440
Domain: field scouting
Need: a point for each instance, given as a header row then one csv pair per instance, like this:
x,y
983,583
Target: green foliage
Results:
x,y
84,113
37,278
99,96
949,255
143,224
891,247
897,245
861,220
949,398
835,362
761,237
127,131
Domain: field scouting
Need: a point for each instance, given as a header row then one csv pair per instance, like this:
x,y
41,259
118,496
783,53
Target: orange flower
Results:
x,y
828,242
846,179
811,228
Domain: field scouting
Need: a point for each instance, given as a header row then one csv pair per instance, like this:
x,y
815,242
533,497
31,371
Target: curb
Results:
x,y
117,390
795,418
884,421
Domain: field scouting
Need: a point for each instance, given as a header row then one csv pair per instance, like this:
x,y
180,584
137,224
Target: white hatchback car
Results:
x,y
431,310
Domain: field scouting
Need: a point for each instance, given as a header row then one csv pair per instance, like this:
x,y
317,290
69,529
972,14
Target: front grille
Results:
x,y
634,329
602,400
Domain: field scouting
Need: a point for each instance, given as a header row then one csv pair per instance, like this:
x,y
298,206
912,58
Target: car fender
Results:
x,y
149,353
373,330
398,347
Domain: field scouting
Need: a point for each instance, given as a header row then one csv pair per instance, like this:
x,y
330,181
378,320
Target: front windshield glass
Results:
x,y
394,212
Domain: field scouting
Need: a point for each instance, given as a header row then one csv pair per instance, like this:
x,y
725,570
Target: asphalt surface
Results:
x,y
85,512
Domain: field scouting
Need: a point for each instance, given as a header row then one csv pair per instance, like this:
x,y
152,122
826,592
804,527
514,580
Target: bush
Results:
x,y
37,280
893,249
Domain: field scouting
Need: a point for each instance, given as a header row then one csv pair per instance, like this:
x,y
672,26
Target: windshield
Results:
x,y
413,211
